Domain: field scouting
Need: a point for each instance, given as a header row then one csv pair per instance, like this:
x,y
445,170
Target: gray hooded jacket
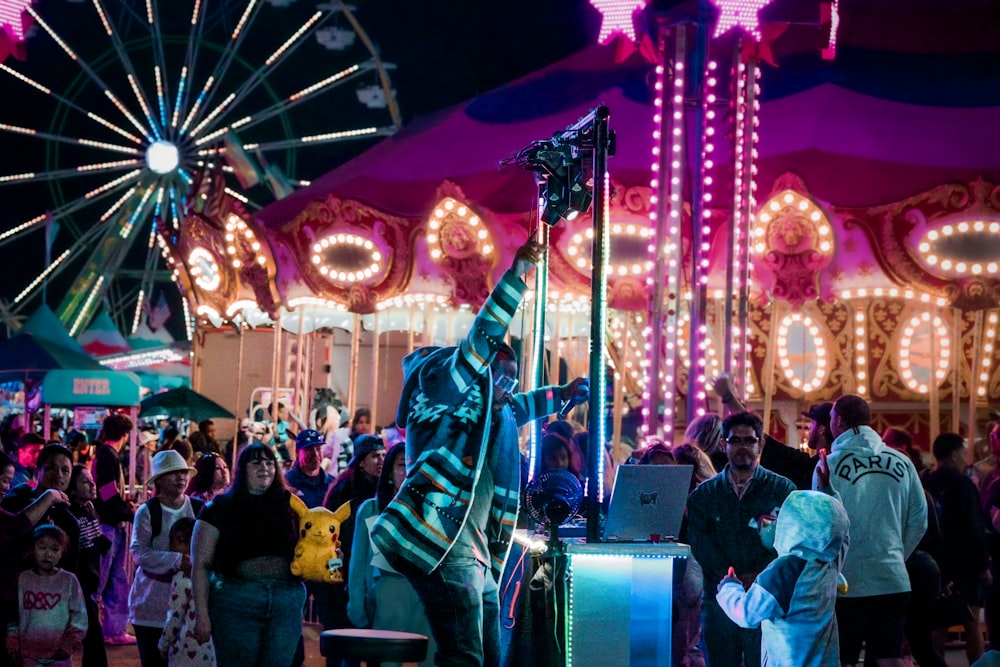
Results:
x,y
793,600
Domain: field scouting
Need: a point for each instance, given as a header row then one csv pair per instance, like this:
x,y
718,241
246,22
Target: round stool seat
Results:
x,y
373,646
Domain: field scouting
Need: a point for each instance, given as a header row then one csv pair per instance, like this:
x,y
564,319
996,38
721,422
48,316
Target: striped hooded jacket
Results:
x,y
445,407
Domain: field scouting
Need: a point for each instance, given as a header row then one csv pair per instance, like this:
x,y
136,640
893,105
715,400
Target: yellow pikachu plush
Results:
x,y
316,557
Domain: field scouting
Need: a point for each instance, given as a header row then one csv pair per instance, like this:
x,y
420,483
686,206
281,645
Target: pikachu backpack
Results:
x,y
316,557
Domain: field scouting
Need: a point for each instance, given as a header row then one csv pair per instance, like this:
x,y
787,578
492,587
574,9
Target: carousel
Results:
x,y
768,215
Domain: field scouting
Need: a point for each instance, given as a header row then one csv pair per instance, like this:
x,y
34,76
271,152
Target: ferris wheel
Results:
x,y
121,103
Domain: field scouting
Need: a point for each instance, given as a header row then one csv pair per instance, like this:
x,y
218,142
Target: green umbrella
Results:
x,y
182,403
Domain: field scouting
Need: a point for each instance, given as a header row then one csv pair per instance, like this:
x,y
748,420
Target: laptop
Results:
x,y
647,500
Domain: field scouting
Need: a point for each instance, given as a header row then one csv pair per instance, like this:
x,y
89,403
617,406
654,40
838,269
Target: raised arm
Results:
x,y
203,542
477,350
36,510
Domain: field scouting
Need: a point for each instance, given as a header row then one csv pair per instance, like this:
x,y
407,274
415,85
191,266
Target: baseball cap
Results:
x,y
820,413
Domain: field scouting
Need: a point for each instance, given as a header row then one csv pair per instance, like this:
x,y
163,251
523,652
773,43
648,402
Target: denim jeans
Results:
x,y
114,584
463,609
255,623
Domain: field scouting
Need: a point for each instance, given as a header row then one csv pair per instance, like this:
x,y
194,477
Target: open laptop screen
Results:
x,y
647,500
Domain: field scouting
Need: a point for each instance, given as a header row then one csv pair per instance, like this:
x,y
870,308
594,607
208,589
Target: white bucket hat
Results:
x,y
166,462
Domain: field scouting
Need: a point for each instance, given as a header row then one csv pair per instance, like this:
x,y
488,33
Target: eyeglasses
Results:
x,y
736,440
505,383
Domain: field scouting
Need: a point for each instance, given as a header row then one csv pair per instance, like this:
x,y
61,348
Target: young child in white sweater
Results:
x,y
177,643
52,618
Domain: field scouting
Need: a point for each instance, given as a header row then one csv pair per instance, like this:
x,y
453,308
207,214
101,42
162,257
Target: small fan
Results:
x,y
553,497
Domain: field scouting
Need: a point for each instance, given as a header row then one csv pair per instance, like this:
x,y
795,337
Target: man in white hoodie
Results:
x,y
885,502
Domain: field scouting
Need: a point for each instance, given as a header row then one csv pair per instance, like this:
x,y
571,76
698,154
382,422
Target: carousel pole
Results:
x,y
956,380
975,363
352,381
410,335
538,338
668,184
300,398
308,370
239,393
275,370
699,221
598,325
934,402
742,241
375,355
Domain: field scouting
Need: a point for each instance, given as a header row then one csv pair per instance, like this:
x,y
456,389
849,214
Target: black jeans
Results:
x,y
147,640
94,653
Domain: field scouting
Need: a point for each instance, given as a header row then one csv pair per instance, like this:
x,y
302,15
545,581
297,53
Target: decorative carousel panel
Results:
x,y
939,241
802,352
460,243
786,349
629,262
924,352
910,349
989,374
344,251
793,242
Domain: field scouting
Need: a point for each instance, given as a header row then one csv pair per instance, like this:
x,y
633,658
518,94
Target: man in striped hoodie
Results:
x,y
449,527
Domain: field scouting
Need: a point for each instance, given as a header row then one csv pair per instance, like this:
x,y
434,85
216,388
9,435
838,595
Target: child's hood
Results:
x,y
811,525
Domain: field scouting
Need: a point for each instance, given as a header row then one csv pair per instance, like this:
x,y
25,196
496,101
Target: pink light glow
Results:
x,y
739,13
10,17
830,52
617,17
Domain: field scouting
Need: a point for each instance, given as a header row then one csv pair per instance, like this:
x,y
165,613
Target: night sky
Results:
x,y
444,52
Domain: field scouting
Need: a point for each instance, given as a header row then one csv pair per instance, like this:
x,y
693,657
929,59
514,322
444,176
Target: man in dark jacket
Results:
x,y
964,560
114,511
718,527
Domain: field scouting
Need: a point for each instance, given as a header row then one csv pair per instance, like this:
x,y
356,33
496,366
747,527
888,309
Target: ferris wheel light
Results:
x,y
162,157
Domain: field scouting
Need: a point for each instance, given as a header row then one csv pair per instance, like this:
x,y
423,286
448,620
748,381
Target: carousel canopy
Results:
x,y
875,223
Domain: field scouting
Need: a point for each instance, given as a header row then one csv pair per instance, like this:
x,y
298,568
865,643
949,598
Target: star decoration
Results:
x,y
10,17
739,14
616,16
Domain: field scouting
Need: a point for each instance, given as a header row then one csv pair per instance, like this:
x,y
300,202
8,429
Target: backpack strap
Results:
x,y
155,515
197,505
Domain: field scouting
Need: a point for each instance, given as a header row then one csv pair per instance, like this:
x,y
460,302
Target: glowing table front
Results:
x,y
618,603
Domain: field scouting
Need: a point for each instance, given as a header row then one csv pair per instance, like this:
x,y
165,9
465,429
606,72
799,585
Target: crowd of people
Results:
x,y
797,558
908,546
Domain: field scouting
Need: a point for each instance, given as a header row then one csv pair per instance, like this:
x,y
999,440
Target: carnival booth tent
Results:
x,y
873,234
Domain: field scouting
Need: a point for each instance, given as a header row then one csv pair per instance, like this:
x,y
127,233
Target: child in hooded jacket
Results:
x,y
794,599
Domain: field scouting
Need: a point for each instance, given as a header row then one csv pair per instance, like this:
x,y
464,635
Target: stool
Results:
x,y
372,646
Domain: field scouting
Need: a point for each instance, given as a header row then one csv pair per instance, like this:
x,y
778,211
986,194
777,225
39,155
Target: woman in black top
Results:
x,y
246,598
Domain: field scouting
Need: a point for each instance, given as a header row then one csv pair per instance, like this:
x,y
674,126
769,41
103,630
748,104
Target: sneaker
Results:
x,y
120,640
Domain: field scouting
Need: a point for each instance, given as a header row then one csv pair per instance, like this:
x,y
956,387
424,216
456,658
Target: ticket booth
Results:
x,y
89,391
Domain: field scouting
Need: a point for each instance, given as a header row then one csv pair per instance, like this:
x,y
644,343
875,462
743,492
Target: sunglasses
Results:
x,y
505,383
736,440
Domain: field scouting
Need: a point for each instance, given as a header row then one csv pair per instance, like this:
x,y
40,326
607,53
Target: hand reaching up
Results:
x,y
526,257
823,472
